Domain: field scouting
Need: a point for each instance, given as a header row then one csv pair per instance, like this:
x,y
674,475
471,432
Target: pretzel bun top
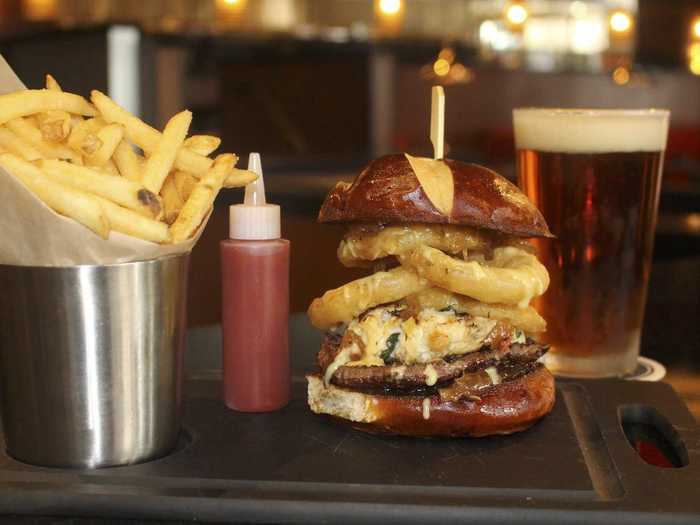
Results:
x,y
387,191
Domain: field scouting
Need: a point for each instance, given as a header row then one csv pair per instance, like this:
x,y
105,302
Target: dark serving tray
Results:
x,y
575,466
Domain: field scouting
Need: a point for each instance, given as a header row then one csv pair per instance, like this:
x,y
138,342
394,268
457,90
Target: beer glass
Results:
x,y
595,175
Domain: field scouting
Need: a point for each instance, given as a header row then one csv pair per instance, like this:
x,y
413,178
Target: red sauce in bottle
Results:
x,y
255,315
255,304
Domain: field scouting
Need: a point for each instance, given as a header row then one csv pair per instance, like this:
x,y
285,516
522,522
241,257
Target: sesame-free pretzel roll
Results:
x,y
388,192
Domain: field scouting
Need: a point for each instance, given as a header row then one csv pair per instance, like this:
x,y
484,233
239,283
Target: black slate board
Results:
x,y
575,466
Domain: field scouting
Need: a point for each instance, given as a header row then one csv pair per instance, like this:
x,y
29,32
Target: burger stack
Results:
x,y
441,339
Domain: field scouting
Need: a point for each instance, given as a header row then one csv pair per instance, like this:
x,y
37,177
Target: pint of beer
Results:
x,y
595,175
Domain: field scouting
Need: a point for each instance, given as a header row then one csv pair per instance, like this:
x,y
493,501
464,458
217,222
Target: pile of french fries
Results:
x,y
107,169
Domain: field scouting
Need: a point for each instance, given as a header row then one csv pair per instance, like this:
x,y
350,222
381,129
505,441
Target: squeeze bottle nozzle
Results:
x,y
255,191
254,219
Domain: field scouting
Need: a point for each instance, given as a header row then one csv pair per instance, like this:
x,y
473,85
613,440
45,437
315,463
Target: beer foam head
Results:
x,y
590,130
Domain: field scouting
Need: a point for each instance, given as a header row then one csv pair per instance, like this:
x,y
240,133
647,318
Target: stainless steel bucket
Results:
x,y
90,361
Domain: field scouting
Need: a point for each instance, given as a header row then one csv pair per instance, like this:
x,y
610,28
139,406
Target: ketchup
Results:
x,y
255,313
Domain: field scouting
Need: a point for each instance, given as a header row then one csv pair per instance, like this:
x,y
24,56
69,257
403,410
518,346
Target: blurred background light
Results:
x,y
441,67
547,34
448,54
694,58
229,13
38,10
621,76
620,21
488,31
578,9
389,7
589,36
516,13
696,27
279,15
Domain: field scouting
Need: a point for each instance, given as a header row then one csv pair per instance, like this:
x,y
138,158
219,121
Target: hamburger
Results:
x,y
440,340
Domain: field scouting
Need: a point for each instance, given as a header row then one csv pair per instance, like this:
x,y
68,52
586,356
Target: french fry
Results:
x,y
117,189
128,161
55,125
185,183
203,144
110,168
52,83
66,201
81,130
31,101
107,138
238,177
27,130
17,145
201,199
129,222
172,202
91,144
145,136
160,162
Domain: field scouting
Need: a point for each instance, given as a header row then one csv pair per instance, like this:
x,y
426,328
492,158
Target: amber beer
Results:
x,y
595,175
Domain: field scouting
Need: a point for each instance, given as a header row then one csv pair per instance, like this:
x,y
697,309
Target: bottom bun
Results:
x,y
503,409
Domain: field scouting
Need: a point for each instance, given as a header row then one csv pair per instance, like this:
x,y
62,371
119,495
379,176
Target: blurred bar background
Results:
x,y
319,87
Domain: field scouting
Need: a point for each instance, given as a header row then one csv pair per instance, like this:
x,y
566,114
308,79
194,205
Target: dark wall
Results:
x,y
662,31
311,108
76,59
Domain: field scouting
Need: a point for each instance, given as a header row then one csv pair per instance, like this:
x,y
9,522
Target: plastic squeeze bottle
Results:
x,y
255,313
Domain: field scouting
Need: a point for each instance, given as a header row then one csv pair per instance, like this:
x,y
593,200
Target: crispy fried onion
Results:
x,y
512,276
347,302
360,246
526,319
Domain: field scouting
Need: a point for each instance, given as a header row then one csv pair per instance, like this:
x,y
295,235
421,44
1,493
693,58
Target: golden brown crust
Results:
x,y
387,191
504,409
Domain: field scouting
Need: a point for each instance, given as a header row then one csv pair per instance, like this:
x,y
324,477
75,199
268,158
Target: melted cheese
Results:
x,y
431,376
493,375
427,337
341,359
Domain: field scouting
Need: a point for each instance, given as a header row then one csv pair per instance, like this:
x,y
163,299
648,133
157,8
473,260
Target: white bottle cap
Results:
x,y
254,219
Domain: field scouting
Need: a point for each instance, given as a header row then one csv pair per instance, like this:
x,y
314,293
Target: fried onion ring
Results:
x,y
343,304
512,276
527,319
360,246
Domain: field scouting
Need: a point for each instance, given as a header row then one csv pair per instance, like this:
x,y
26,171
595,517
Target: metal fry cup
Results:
x,y
91,360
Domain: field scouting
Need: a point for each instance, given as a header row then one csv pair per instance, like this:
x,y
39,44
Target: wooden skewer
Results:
x,y
437,122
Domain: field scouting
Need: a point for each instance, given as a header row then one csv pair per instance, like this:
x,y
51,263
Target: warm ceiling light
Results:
x,y
39,10
441,67
620,22
516,14
692,221
694,66
621,76
694,58
696,27
389,7
226,7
